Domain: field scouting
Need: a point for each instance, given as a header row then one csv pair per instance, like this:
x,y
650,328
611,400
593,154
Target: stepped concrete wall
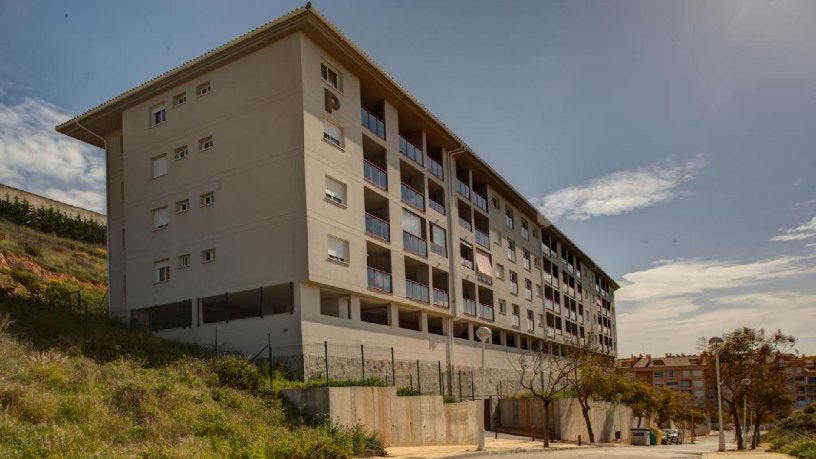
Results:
x,y
41,201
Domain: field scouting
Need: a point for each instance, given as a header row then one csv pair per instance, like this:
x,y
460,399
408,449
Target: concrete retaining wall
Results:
x,y
566,420
41,201
400,421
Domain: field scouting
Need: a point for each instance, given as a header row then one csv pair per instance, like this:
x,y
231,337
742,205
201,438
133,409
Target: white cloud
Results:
x,y
804,231
34,157
620,192
802,204
667,306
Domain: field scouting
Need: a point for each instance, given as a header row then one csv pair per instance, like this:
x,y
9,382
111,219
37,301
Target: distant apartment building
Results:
x,y
680,373
283,183
802,380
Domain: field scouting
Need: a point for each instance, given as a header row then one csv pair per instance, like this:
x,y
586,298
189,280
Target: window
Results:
x,y
338,249
516,318
203,89
412,223
697,372
530,321
502,307
205,144
162,270
528,289
658,374
525,230
183,206
513,283
685,373
671,374
207,199
159,164
332,133
182,152
160,219
208,255
525,259
158,115
499,271
511,250
538,290
331,76
697,383
535,233
495,201
508,218
335,191
184,261
439,241
179,99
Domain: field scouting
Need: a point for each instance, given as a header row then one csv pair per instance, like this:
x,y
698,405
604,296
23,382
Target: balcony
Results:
x,y
467,263
462,188
465,224
379,280
414,244
416,291
410,150
440,298
436,206
413,197
486,311
436,169
480,201
377,227
439,250
482,239
374,175
469,307
484,278
372,123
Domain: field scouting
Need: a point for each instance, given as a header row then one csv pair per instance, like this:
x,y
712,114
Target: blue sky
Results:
x,y
673,141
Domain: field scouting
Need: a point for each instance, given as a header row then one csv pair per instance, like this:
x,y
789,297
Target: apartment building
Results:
x,y
801,381
284,184
680,373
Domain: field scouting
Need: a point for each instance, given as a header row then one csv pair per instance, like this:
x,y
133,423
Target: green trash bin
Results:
x,y
652,438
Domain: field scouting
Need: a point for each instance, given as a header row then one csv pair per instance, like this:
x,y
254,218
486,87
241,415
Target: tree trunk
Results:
x,y
585,412
755,436
737,428
547,423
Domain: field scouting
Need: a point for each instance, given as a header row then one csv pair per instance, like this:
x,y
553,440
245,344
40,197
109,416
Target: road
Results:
x,y
684,451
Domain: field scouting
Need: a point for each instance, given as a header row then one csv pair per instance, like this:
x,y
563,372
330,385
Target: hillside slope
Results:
x,y
78,385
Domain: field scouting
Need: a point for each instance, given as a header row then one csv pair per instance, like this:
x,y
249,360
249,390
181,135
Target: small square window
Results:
x,y
502,307
205,144
495,201
158,115
183,206
333,133
182,152
338,249
335,191
159,165
180,99
208,255
162,270
331,76
207,199
499,271
203,89
184,261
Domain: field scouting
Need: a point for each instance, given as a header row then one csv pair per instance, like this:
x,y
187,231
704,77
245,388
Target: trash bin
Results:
x,y
656,436
652,438
640,437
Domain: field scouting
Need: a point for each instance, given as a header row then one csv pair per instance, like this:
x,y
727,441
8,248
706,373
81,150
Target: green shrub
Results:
x,y
32,250
235,371
407,391
802,449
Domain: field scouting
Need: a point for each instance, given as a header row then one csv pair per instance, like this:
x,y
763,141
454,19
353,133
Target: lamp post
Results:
x,y
745,383
715,342
483,333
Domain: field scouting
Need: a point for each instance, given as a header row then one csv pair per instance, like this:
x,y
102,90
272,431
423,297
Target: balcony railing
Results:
x,y
465,224
372,122
377,227
436,169
436,206
375,175
486,311
410,150
417,291
413,197
470,306
414,244
462,188
480,201
379,280
467,263
482,239
440,298
439,250
484,278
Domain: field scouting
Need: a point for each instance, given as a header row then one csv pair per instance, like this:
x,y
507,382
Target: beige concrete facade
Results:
x,y
298,151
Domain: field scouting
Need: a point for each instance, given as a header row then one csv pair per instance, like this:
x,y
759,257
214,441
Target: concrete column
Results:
x,y
471,332
423,321
353,308
393,315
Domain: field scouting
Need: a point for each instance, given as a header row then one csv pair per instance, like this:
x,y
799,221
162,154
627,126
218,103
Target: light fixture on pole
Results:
x,y
483,333
745,383
715,343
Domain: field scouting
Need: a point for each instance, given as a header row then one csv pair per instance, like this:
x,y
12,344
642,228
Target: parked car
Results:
x,y
672,437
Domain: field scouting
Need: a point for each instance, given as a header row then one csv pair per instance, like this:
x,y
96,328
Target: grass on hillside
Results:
x,y
796,434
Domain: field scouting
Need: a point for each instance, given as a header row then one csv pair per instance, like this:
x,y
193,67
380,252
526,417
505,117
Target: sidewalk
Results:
x,y
758,453
504,443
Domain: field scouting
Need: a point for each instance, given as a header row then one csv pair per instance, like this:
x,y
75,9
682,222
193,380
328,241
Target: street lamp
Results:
x,y
483,333
715,342
745,383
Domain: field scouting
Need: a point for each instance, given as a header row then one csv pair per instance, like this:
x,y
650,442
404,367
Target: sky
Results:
x,y
672,141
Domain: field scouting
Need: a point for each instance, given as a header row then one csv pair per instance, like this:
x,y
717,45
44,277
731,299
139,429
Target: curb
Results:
x,y
510,451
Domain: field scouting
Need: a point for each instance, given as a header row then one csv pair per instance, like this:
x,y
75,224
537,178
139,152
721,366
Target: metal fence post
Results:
x,y
326,360
500,389
269,349
460,385
411,381
362,359
472,387
419,379
393,371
